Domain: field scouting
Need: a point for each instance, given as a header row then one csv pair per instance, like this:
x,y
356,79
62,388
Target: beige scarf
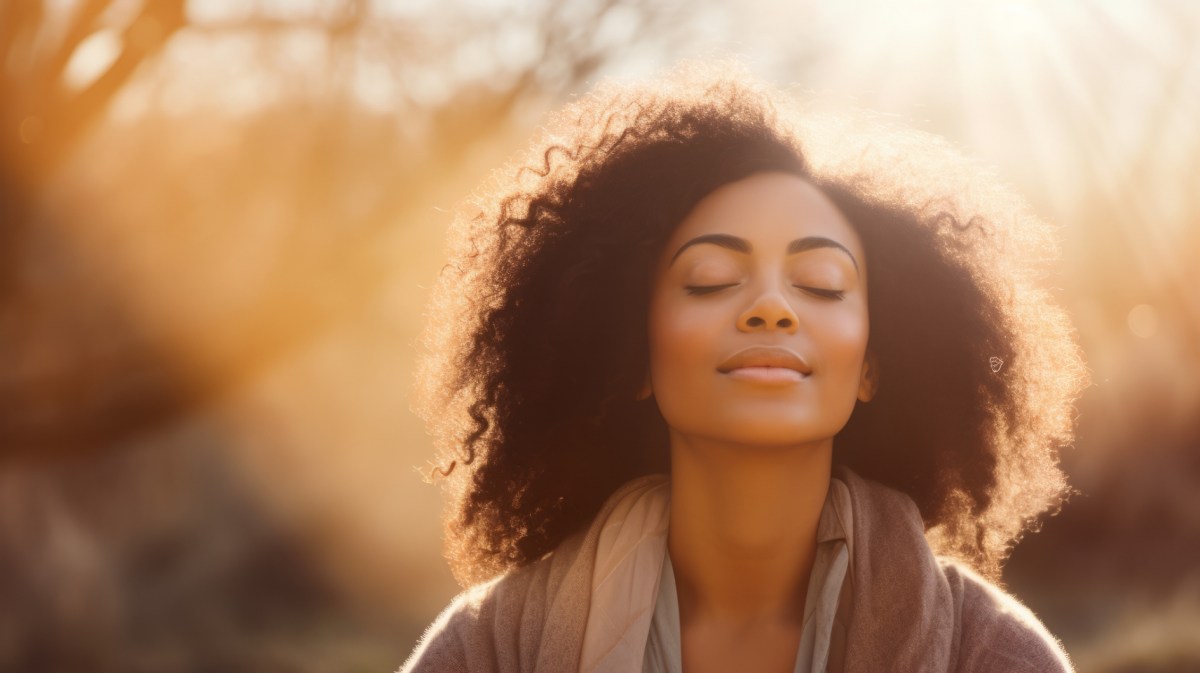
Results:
x,y
905,609
625,579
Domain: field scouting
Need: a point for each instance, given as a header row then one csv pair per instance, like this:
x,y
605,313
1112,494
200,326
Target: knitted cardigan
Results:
x,y
909,610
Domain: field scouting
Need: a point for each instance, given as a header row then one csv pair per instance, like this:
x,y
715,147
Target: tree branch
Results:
x,y
83,24
144,37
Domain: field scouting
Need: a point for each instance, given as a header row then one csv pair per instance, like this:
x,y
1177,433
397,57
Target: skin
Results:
x,y
751,447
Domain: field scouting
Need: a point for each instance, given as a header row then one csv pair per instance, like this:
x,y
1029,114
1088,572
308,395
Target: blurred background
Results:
x,y
219,220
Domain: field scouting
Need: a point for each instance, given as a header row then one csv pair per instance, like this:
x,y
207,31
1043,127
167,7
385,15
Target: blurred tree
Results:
x,y
81,371
52,387
43,118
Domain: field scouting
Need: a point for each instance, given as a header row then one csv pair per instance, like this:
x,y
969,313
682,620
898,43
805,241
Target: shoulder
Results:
x,y
496,625
531,618
997,632
443,645
991,630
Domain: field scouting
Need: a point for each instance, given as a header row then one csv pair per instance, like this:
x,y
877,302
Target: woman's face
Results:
x,y
758,318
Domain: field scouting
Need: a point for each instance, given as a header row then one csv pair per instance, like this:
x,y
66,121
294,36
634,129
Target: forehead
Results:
x,y
769,210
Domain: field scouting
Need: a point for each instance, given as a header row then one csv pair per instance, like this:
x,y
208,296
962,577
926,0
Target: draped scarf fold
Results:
x,y
631,545
903,609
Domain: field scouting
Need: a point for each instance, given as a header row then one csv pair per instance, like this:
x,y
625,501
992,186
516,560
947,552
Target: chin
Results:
x,y
774,436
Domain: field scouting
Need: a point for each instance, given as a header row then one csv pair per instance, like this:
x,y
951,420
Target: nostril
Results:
x,y
755,321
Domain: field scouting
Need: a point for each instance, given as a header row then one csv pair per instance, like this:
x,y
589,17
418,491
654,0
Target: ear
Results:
x,y
646,390
868,383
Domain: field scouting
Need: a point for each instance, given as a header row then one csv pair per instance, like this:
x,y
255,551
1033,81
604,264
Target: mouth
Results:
x,y
766,364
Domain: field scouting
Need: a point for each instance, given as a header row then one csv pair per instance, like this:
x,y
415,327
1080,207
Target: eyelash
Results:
x,y
823,293
820,292
705,289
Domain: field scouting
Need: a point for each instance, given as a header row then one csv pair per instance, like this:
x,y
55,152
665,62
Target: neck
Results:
x,y
743,528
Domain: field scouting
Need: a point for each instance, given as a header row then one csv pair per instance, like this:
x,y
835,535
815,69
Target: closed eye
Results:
x,y
706,289
822,292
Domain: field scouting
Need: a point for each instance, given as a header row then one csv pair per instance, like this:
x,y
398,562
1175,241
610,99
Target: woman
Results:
x,y
842,365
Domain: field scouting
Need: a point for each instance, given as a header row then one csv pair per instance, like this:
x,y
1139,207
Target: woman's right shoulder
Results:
x,y
448,642
498,625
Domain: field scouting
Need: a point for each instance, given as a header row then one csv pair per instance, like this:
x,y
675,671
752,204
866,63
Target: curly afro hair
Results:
x,y
537,331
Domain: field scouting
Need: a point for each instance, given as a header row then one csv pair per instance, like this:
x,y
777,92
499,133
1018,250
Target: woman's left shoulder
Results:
x,y
997,632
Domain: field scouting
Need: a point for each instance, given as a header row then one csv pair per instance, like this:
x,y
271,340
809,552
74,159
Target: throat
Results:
x,y
743,536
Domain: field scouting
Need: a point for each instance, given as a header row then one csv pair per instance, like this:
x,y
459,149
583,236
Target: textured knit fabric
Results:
x,y
664,644
903,608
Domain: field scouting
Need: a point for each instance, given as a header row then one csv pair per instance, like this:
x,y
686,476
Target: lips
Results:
x,y
765,358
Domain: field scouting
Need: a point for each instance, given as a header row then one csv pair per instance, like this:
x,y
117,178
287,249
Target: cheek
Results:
x,y
842,338
684,345
679,338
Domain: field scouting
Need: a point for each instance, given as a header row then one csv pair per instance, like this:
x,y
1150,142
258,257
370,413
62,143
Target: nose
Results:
x,y
770,311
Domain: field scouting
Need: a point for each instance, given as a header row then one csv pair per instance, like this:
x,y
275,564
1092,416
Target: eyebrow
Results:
x,y
743,246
